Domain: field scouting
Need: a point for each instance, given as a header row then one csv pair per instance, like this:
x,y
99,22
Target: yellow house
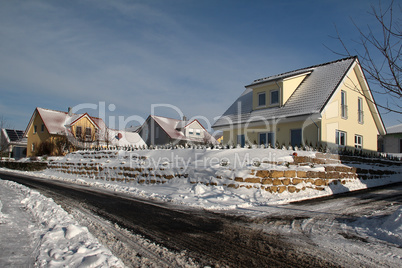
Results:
x,y
51,132
328,104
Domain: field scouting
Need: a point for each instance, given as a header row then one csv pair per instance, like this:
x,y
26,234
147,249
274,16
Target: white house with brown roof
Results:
x,y
328,104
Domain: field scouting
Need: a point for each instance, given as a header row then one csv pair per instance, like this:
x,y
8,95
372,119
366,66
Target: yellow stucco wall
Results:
x,y
281,130
285,87
38,137
265,88
289,86
42,136
84,123
332,119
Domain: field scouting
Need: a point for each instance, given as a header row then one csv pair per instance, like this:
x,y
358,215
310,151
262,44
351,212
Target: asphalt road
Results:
x,y
208,238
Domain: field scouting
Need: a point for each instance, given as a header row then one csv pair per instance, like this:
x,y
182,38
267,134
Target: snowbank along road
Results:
x,y
329,232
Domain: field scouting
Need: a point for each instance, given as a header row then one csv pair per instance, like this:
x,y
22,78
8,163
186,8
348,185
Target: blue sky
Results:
x,y
129,55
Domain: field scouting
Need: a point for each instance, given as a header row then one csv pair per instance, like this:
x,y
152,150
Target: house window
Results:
x,y
266,138
358,141
340,138
360,110
32,147
274,96
261,99
88,133
344,106
198,132
78,131
43,128
35,129
190,131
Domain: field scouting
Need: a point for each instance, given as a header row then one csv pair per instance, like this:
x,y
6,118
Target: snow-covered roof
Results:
x,y
125,138
133,128
394,129
169,126
309,98
174,127
56,122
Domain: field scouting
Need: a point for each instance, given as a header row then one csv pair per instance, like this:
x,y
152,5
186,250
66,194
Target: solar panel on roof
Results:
x,y
20,134
14,135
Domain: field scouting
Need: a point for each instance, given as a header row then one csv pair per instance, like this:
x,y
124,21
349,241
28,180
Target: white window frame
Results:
x,y
358,145
265,99
190,131
360,113
270,95
338,137
35,130
33,147
198,132
344,105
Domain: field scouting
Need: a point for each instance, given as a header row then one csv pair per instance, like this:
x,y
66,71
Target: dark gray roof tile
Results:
x,y
310,97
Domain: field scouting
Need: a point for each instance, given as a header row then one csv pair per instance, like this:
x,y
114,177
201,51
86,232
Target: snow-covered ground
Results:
x,y
64,242
35,230
201,188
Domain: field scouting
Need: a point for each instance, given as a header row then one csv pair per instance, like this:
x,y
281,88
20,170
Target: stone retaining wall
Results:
x,y
273,180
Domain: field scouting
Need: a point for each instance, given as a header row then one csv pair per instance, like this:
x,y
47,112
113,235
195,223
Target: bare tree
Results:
x,y
380,53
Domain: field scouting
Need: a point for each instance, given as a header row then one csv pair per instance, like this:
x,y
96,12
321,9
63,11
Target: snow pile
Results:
x,y
62,241
387,228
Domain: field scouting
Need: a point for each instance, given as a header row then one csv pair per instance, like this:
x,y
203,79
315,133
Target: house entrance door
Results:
x,y
296,137
241,140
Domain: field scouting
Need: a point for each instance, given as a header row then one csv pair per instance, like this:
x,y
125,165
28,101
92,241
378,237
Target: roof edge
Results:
x,y
306,69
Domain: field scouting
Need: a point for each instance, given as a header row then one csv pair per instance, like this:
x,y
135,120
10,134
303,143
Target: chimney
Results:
x,y
184,118
70,112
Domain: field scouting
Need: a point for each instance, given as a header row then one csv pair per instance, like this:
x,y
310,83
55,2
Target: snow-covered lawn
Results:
x,y
39,227
201,186
34,229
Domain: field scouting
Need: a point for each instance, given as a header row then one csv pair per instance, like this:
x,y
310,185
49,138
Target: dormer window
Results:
x,y
261,99
274,97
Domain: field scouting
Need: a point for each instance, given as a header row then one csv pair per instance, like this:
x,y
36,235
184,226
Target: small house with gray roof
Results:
x,y
328,104
159,130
